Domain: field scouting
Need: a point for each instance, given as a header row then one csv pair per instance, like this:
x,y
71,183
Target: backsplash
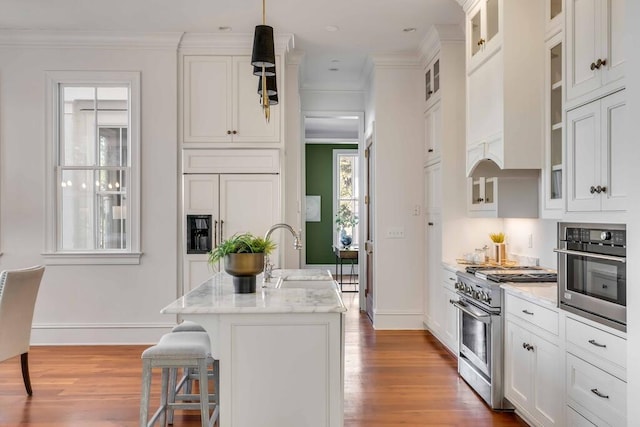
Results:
x,y
534,238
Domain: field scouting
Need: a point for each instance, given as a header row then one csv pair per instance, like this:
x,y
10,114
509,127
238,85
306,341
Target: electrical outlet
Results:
x,y
395,233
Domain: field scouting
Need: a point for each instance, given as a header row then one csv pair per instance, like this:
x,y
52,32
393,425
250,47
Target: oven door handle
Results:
x,y
484,318
591,255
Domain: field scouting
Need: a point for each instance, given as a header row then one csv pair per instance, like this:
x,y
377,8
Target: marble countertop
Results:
x,y
217,296
541,293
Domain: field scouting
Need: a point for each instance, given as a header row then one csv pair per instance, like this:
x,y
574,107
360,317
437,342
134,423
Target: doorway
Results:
x,y
326,137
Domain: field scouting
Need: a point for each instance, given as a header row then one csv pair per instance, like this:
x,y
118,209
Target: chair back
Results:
x,y
18,292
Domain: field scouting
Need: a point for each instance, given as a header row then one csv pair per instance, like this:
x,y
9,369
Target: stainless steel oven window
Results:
x,y
597,278
475,340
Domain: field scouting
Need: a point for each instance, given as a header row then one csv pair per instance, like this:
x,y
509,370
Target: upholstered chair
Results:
x,y
18,292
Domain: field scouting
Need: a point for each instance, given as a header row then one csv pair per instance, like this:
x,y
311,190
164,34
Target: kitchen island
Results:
x,y
281,349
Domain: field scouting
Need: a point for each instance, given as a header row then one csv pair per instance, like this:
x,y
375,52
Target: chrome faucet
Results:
x,y
297,244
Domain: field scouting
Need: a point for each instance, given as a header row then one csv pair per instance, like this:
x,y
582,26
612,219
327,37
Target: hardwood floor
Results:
x,y
392,378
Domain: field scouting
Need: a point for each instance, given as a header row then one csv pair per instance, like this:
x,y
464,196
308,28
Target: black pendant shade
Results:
x,y
273,99
268,71
272,89
263,49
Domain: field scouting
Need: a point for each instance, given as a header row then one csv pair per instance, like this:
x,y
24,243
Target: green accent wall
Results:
x,y
319,182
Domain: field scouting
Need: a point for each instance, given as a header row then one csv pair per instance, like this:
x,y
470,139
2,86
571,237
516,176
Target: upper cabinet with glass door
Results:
x,y
432,82
484,30
553,16
595,49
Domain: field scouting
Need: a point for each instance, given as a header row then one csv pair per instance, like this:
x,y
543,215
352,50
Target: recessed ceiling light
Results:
x,y
224,29
409,30
334,69
331,28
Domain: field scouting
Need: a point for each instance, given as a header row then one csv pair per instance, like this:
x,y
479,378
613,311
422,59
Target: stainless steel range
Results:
x,y
481,326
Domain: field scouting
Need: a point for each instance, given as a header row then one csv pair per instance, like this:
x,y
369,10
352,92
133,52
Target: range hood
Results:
x,y
489,168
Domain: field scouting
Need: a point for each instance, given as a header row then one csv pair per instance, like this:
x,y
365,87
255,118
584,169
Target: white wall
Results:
x,y
399,263
632,72
544,235
332,100
90,304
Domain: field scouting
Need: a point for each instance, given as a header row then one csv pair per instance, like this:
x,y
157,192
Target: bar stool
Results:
x,y
177,350
189,374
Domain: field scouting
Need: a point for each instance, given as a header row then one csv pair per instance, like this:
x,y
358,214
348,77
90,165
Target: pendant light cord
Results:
x,y
264,12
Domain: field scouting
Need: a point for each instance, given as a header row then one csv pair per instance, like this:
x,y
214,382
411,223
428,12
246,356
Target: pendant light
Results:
x,y
263,58
271,86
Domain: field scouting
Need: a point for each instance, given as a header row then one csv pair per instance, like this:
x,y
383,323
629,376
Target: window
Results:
x,y
93,168
346,190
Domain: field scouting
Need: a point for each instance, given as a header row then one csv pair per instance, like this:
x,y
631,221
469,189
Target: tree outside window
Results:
x,y
346,191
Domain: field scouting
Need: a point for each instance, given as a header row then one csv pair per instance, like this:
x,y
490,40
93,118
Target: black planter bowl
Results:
x,y
244,267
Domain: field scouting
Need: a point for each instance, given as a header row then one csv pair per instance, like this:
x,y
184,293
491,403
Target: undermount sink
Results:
x,y
307,284
302,274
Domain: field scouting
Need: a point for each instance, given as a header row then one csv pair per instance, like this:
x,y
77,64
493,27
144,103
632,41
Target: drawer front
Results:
x,y
449,279
597,391
598,342
574,419
533,313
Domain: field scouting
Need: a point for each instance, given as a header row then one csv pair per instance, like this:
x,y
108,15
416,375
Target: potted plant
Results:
x,y
243,256
346,220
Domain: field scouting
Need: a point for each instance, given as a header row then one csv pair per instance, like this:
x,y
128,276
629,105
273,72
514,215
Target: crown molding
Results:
x,y
467,4
295,57
92,39
232,43
437,35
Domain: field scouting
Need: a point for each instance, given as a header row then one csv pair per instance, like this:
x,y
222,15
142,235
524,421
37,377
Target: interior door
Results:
x,y
369,286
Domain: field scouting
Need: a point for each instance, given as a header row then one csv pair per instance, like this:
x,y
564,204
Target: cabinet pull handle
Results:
x,y
430,223
597,344
597,393
221,230
451,278
215,233
430,150
527,312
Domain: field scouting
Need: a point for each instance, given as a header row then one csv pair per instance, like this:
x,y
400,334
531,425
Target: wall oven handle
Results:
x,y
484,318
591,255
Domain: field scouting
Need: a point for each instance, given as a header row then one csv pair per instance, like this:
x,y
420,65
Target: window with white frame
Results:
x,y
93,167
346,189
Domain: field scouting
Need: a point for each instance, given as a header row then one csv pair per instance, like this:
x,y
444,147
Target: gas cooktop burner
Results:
x,y
522,277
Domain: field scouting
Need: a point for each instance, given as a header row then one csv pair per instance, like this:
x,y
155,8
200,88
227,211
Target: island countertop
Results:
x,y
217,296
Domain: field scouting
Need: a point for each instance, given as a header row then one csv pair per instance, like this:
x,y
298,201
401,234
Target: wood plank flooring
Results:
x,y
392,378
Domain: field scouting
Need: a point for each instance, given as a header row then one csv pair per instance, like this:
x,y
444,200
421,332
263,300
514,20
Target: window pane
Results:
x,y
76,206
88,111
94,209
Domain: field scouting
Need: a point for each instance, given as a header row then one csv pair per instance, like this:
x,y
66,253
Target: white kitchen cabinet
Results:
x,y
220,103
553,167
450,318
533,374
432,133
554,17
237,203
596,360
433,292
597,147
433,189
505,83
432,82
503,197
484,25
595,48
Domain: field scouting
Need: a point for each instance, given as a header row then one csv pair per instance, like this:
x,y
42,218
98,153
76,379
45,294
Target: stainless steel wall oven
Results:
x,y
592,273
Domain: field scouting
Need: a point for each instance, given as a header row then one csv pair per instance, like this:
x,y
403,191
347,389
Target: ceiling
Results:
x,y
361,27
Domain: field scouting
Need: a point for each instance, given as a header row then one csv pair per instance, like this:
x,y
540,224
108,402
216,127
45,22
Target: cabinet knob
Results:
x,y
592,66
599,63
527,346
430,92
228,132
479,200
430,223
234,132
602,189
480,42
430,150
592,189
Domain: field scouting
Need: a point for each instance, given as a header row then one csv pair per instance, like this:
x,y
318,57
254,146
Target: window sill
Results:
x,y
89,258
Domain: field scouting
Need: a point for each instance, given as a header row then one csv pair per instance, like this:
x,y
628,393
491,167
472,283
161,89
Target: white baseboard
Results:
x,y
98,334
390,319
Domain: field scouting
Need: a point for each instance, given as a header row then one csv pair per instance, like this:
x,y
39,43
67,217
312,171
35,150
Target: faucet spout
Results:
x,y
297,244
